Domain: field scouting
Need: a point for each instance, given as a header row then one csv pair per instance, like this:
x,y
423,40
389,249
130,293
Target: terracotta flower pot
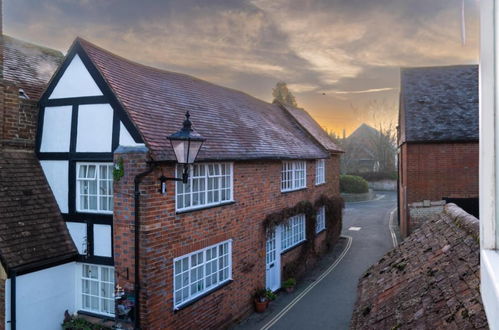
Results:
x,y
261,306
290,289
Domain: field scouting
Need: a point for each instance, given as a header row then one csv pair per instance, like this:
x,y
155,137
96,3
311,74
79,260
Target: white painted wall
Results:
x,y
126,139
42,297
78,233
76,81
56,129
95,128
102,241
56,172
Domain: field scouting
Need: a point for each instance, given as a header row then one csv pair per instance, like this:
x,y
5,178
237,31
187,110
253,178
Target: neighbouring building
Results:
x,y
431,281
438,141
261,203
37,254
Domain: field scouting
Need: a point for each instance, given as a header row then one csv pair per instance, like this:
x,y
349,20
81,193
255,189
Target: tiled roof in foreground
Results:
x,y
236,125
32,231
431,281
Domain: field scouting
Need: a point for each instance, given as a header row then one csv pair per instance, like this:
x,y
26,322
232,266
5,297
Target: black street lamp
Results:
x,y
186,144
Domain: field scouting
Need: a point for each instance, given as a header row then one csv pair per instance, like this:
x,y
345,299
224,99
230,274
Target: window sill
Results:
x,y
489,285
95,212
190,302
193,209
320,231
293,190
294,246
320,184
103,317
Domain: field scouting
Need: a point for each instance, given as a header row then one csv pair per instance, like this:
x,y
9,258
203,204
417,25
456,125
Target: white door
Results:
x,y
273,260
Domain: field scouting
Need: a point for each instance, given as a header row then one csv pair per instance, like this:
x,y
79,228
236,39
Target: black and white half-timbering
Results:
x,y
80,125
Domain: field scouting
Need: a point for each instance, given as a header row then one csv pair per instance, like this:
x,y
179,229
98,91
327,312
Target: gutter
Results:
x,y
137,181
13,300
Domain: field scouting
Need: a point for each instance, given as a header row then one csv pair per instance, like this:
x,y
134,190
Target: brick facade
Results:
x,y
166,235
433,171
18,118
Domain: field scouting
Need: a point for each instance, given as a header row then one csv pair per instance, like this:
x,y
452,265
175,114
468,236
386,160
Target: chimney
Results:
x,y
344,133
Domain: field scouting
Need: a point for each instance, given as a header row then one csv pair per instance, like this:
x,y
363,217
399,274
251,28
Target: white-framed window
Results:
x,y
209,184
97,289
293,231
293,175
200,271
94,187
320,219
320,171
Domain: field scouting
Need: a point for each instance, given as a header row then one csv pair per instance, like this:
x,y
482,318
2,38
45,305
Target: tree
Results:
x,y
282,94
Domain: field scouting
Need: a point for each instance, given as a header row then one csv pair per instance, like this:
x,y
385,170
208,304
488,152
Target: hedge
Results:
x,y
353,184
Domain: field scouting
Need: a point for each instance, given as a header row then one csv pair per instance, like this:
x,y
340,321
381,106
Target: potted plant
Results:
x,y
289,284
261,300
271,296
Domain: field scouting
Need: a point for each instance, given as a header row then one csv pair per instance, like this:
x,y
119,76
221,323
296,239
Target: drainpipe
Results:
x,y
13,300
137,181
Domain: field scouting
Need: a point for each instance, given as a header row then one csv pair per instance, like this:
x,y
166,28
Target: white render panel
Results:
x,y
56,172
102,241
56,129
126,139
95,128
42,297
76,81
78,233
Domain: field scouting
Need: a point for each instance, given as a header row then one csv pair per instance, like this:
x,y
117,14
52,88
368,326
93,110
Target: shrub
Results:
x,y
353,184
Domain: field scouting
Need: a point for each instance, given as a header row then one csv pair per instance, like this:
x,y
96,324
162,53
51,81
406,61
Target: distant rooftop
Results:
x,y
30,66
439,104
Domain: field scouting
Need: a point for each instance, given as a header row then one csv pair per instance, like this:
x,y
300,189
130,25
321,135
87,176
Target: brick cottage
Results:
x,y
438,141
261,203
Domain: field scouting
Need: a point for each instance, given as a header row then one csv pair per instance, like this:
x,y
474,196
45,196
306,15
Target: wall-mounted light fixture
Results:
x,y
186,144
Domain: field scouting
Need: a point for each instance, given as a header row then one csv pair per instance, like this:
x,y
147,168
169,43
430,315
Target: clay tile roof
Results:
x,y
236,125
314,129
29,65
439,104
32,230
431,281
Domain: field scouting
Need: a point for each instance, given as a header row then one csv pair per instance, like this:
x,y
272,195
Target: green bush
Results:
x,y
353,184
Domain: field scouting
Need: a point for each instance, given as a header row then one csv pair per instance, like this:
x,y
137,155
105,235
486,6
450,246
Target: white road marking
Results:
x,y
355,228
310,287
390,226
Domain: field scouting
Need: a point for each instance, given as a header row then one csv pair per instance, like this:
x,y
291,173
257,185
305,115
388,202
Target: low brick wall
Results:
x,y
420,211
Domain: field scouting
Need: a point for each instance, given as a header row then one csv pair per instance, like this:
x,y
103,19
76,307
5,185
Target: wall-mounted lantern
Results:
x,y
186,144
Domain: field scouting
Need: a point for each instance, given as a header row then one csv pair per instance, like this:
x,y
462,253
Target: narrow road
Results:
x,y
329,304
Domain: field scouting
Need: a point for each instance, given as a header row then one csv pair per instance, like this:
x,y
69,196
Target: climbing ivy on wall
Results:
x,y
334,211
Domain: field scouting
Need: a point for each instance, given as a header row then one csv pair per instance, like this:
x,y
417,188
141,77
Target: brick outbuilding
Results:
x,y
438,141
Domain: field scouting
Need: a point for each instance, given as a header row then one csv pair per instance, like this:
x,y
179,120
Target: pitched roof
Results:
x,y
31,227
439,104
236,125
317,132
29,65
362,132
431,281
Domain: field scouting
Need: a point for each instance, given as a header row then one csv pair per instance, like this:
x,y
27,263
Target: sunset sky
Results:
x,y
340,58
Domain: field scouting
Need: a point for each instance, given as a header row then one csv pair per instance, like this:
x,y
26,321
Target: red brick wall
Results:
x,y
166,235
18,118
437,170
